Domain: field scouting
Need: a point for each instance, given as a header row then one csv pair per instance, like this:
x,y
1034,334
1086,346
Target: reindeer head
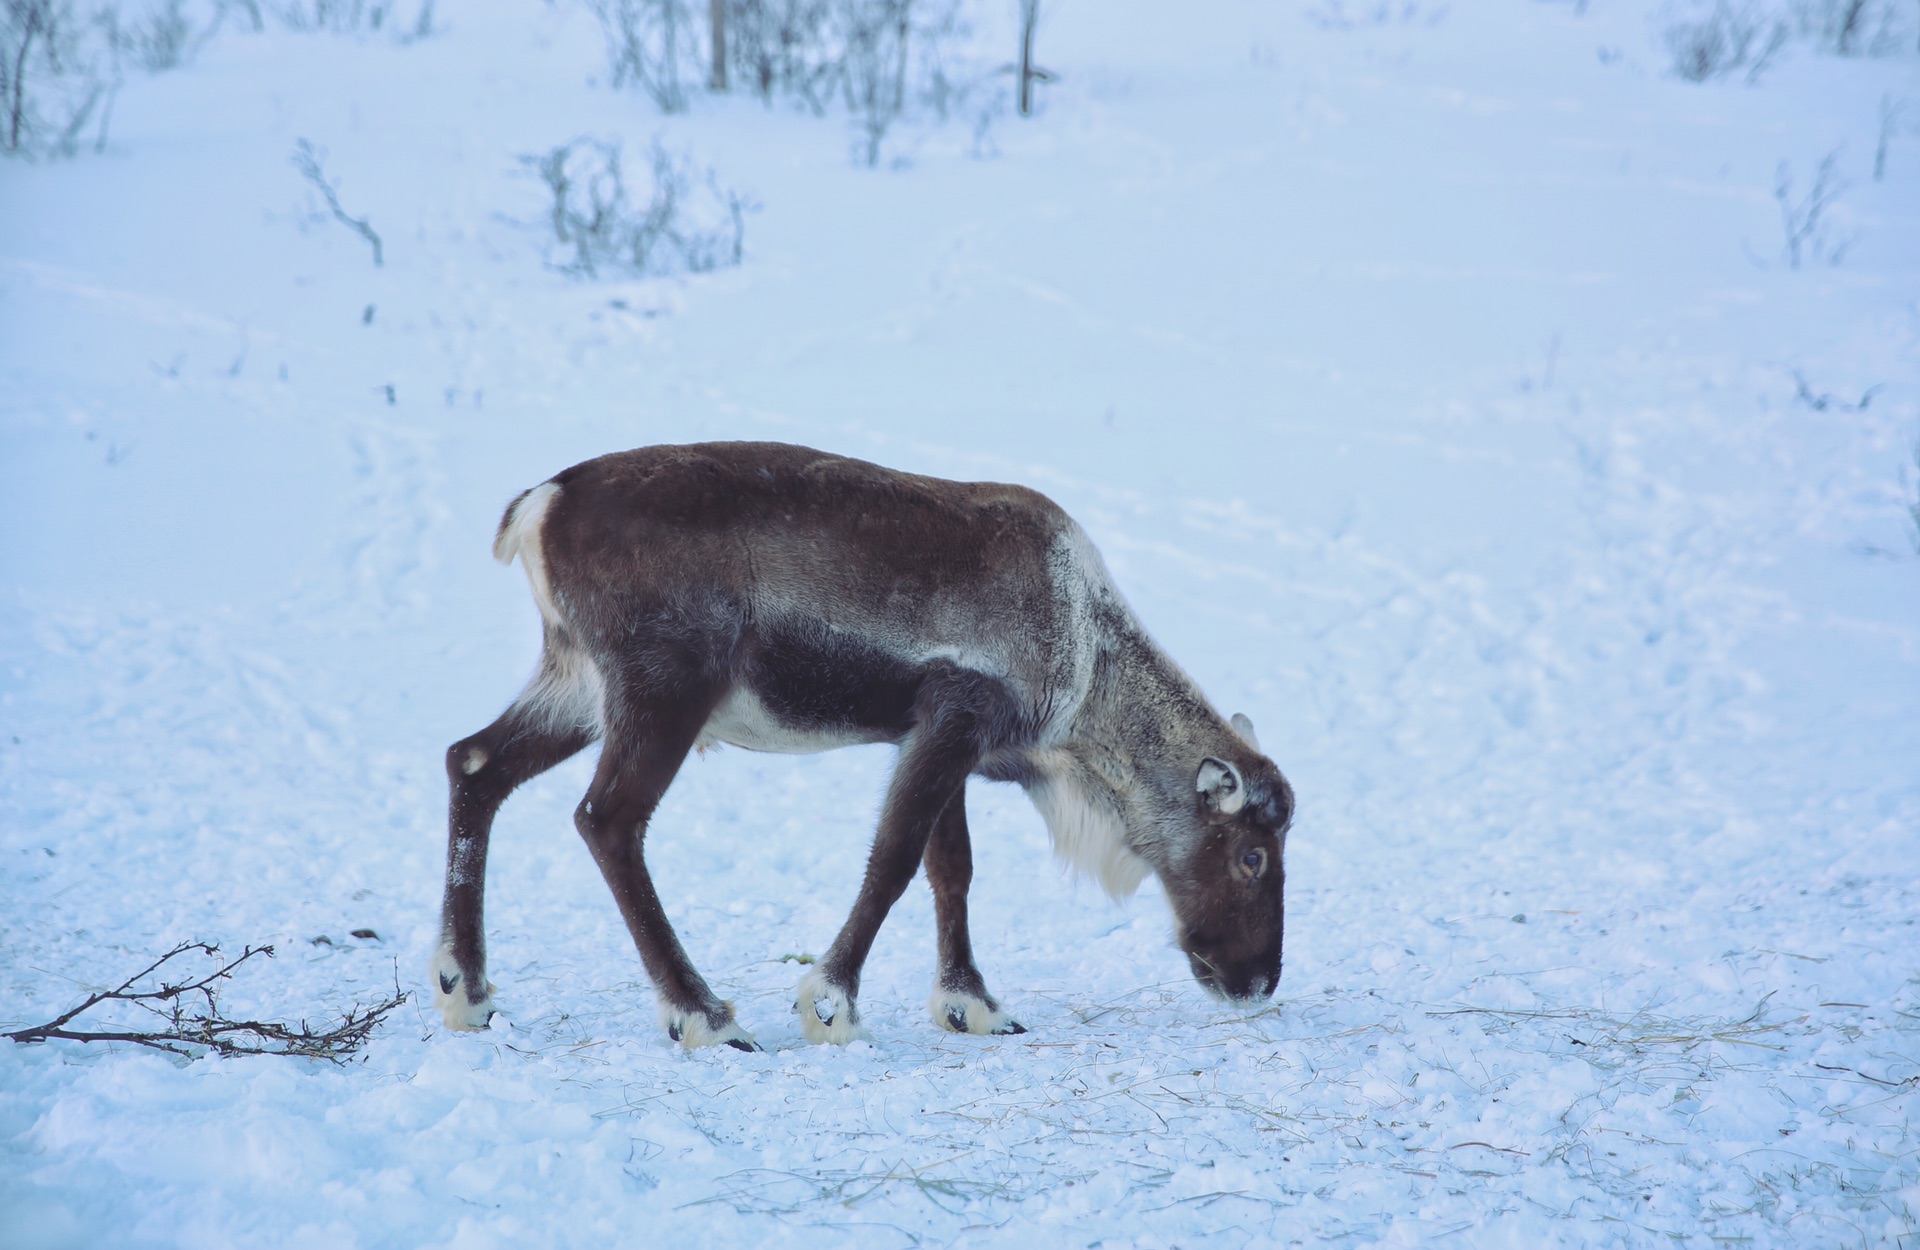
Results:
x,y
1227,880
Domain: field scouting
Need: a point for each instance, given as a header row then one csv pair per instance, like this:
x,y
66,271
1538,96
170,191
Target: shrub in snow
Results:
x,y
61,67
671,222
1709,42
311,162
1712,40
650,45
1858,27
55,76
345,17
1804,218
1336,15
879,59
158,38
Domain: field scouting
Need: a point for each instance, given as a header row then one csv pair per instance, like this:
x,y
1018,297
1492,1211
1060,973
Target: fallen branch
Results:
x,y
306,159
191,1022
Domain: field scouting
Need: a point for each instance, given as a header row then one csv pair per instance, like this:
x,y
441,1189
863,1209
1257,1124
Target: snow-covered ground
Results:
x,y
1439,393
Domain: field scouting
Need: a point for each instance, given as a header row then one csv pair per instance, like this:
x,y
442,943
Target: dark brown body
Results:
x,y
783,599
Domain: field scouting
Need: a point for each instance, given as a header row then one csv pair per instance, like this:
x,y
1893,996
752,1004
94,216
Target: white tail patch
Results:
x,y
1087,833
520,536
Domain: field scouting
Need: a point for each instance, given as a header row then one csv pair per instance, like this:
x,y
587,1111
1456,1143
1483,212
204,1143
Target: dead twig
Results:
x,y
307,159
191,1023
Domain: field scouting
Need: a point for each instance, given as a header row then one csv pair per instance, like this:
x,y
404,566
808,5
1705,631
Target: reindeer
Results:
x,y
783,599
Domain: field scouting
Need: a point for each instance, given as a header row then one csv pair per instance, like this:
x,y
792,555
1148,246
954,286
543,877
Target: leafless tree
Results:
x,y
1029,19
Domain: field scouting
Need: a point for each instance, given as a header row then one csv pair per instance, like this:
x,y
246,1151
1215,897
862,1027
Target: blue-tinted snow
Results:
x,y
1431,388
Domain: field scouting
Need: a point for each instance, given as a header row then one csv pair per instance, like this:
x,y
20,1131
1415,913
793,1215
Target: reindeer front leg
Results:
x,y
955,714
960,1002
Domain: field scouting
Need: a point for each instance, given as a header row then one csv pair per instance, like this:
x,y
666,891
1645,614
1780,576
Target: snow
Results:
x,y
1438,392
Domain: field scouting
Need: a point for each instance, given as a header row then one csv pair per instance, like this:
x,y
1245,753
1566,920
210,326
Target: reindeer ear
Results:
x,y
1244,727
1221,787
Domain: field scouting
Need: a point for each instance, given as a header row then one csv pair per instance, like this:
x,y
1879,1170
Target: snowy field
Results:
x,y
1434,379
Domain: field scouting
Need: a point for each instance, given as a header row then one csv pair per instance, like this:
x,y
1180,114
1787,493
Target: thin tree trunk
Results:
x,y
18,105
717,11
1029,17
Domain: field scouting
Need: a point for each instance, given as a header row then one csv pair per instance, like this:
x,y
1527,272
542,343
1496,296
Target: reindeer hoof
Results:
x,y
459,1011
694,1030
827,1013
960,1012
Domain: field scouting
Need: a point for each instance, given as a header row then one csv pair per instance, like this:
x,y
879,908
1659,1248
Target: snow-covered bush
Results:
x,y
880,59
162,37
1729,35
1807,219
650,45
1858,27
56,75
673,222
1713,38
61,65
347,17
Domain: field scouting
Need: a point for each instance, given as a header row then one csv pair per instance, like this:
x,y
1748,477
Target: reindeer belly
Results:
x,y
744,720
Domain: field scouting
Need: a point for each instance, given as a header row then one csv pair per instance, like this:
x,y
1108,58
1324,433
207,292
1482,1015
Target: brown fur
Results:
x,y
787,599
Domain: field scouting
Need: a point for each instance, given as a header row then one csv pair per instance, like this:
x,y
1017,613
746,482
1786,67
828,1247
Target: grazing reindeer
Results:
x,y
783,599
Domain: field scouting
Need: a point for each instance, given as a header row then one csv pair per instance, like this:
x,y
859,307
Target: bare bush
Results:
x,y
1338,15
1890,111
55,74
879,59
650,45
161,38
876,37
1856,27
1711,39
310,161
780,47
677,223
1809,234
185,1017
1731,35
350,17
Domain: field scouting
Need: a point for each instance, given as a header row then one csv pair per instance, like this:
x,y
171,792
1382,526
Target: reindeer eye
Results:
x,y
1254,862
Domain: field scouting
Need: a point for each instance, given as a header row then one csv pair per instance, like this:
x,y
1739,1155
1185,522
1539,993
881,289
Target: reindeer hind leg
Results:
x,y
552,720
